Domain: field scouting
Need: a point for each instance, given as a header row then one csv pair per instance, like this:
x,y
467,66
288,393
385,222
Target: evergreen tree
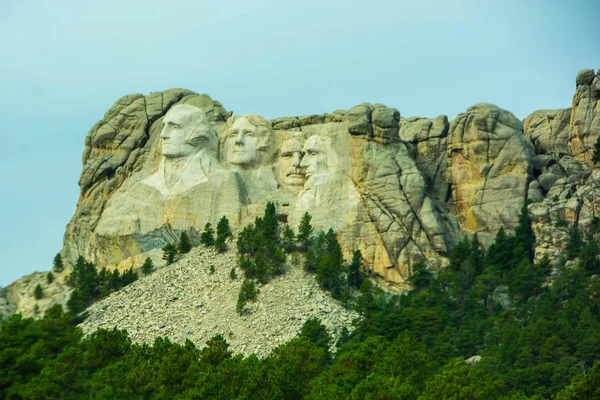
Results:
x,y
232,274
596,156
317,333
169,253
207,237
57,264
269,223
420,278
499,254
288,240
305,231
575,243
184,245
248,292
524,235
38,293
223,227
220,244
355,274
49,277
148,266
588,257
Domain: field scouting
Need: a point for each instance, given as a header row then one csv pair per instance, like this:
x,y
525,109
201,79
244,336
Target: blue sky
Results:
x,y
63,64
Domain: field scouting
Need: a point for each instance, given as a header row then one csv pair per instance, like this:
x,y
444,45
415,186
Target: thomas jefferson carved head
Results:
x,y
247,141
186,131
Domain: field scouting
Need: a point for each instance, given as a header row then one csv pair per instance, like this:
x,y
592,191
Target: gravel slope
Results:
x,y
184,301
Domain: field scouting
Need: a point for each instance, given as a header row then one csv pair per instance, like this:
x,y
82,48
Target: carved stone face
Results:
x,y
288,172
185,132
241,144
316,160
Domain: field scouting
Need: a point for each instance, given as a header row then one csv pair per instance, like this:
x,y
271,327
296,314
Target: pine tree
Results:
x,y
420,278
57,264
220,244
248,292
288,239
596,156
355,275
269,223
50,277
524,234
305,231
184,245
148,266
169,253
207,237
317,333
38,293
575,243
223,227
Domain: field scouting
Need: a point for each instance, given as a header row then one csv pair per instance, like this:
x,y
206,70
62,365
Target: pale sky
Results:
x,y
64,63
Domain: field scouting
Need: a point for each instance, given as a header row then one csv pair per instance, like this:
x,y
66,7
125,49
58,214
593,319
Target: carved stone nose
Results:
x,y
239,139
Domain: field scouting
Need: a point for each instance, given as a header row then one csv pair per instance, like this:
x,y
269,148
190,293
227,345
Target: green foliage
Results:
x,y
288,240
233,274
57,263
184,246
148,266
248,292
207,237
524,233
535,340
169,253
223,228
220,244
596,155
316,333
259,245
211,270
38,292
305,231
91,285
575,243
420,278
49,277
355,274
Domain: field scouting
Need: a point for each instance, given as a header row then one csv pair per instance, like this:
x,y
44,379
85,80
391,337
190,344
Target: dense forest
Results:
x,y
494,324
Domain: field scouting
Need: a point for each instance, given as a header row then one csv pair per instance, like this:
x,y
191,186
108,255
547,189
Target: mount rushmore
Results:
x,y
397,189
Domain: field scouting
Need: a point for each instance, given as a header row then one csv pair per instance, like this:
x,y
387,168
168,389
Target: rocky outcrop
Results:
x,y
20,295
351,171
548,130
116,148
584,129
185,301
397,189
490,167
428,139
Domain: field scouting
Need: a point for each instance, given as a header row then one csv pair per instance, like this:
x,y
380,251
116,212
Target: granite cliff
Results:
x,y
398,189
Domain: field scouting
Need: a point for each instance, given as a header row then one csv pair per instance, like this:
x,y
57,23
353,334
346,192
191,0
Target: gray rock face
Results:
x,y
490,167
584,128
548,130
